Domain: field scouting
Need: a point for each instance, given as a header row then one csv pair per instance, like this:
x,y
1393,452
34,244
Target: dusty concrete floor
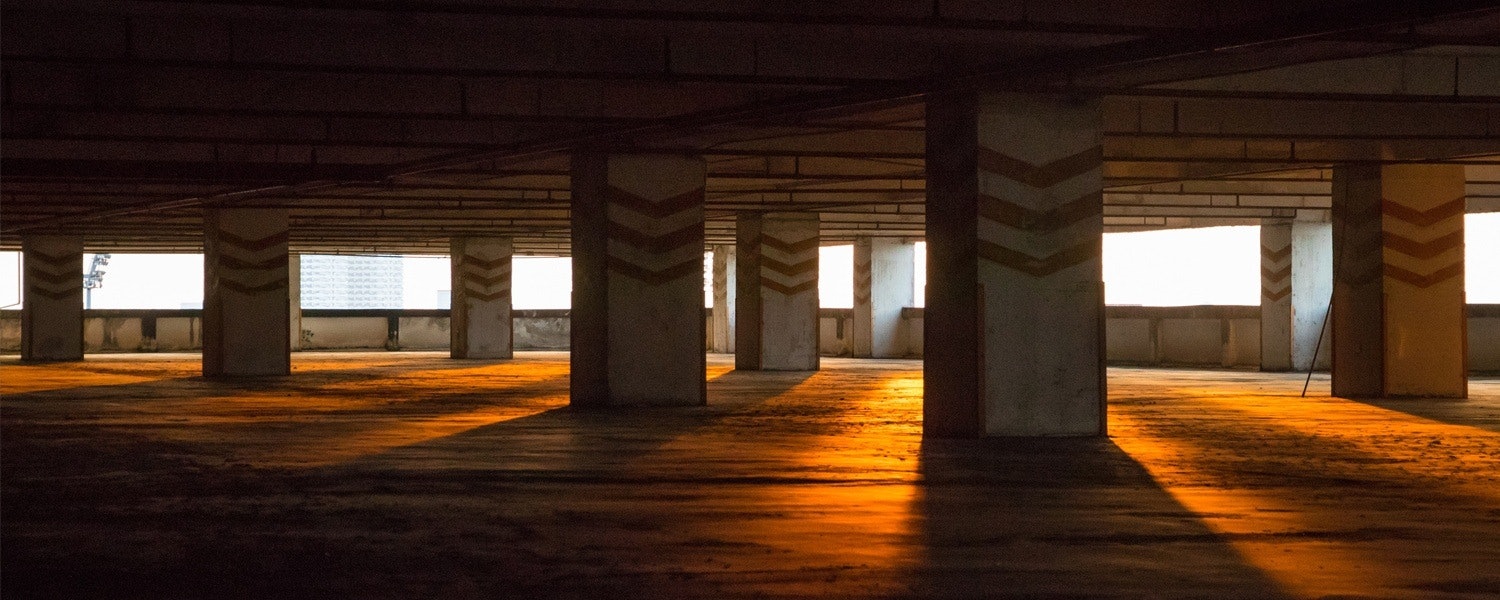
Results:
x,y
412,475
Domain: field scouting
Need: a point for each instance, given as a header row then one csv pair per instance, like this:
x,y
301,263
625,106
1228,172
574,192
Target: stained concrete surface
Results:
x,y
397,475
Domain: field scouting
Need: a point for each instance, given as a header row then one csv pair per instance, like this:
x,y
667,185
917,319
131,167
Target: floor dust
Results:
x,y
400,475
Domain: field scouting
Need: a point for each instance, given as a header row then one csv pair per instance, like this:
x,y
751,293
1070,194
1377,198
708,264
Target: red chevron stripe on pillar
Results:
x,y
246,292
1296,275
788,302
1014,327
883,280
52,302
638,328
861,338
1399,313
481,325
1276,295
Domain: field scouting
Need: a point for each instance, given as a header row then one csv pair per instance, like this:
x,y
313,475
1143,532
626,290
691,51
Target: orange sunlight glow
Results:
x,y
21,379
1308,568
862,486
344,430
1250,485
334,409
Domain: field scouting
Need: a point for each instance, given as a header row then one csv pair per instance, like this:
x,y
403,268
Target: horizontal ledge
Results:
x,y
1202,311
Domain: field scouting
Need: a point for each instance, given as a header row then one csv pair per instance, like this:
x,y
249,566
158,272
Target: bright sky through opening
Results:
x,y
1216,265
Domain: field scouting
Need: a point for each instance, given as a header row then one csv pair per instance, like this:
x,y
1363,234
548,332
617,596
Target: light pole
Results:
x,y
94,279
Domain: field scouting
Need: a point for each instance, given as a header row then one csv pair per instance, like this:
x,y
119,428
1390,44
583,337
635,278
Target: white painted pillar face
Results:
x,y
861,338
1014,233
52,305
1276,295
1312,288
480,325
883,282
1399,321
294,300
246,295
725,296
1296,278
1041,292
789,292
638,327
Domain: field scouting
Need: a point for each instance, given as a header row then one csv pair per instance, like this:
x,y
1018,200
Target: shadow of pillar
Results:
x,y
1063,518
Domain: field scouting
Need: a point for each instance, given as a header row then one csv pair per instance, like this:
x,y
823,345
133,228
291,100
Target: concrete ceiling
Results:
x,y
392,125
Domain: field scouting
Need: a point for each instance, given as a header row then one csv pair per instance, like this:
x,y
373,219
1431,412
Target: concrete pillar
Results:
x,y
777,329
1014,338
862,321
637,317
246,292
1296,278
294,300
480,324
883,279
725,295
1399,326
52,302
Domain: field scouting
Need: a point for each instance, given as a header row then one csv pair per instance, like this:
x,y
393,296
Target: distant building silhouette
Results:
x,y
334,281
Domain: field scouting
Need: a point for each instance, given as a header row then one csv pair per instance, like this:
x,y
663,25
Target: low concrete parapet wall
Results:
x,y
1196,336
1484,338
164,330
1222,336
123,330
337,329
1200,336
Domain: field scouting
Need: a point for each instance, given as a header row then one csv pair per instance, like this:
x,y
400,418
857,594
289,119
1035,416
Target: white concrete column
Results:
x,y
1312,293
883,279
725,295
777,329
1296,270
294,300
637,316
1399,315
52,301
861,334
246,292
1014,339
1276,295
480,322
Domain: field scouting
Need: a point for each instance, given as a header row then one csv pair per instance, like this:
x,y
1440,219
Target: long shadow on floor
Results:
x,y
1375,506
496,504
1483,413
1064,518
126,427
568,442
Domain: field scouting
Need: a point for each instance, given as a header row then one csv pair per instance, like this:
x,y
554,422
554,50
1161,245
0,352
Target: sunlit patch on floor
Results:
x,y
1331,497
22,379
786,484
833,492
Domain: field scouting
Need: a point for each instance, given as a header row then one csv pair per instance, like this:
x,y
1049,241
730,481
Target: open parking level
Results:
x,y
414,475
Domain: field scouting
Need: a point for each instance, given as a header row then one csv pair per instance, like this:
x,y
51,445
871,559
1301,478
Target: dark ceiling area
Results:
x,y
391,126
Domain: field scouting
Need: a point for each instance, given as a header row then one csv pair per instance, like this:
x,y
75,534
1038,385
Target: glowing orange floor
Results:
x,y
411,475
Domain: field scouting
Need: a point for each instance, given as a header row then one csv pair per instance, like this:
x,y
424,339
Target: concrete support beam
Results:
x,y
725,296
777,328
52,301
480,307
1296,278
884,275
246,292
638,329
1014,339
1399,324
294,300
